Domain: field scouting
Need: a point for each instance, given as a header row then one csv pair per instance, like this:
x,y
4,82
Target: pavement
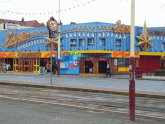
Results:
x,y
92,88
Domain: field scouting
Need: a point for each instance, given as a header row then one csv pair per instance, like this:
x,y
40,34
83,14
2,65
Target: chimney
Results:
x,y
23,21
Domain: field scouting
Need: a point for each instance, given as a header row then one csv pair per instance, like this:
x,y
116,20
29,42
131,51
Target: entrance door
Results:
x,y
15,64
9,63
88,67
26,65
36,65
102,67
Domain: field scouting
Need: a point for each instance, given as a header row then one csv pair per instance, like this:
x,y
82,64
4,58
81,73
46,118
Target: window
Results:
x,y
123,62
91,41
82,42
102,41
118,42
73,43
163,46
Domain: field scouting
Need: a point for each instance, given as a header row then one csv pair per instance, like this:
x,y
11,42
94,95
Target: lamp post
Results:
x,y
132,65
51,60
58,72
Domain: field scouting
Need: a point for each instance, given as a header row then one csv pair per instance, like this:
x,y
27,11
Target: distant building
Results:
x,y
21,24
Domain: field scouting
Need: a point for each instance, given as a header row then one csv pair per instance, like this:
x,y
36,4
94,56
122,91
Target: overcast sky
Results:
x,y
153,11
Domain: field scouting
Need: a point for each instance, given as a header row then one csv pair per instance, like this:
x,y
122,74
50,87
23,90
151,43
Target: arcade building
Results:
x,y
86,48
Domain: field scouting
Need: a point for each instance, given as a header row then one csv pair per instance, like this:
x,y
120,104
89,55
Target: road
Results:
x,y
98,82
146,107
25,112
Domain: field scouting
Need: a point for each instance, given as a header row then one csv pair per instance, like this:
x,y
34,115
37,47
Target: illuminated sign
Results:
x,y
118,28
49,54
29,55
9,55
13,41
124,54
22,38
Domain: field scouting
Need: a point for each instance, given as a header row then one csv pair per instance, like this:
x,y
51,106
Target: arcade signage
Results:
x,y
124,54
29,55
90,59
21,38
160,33
9,55
17,39
52,25
11,26
49,54
118,28
103,59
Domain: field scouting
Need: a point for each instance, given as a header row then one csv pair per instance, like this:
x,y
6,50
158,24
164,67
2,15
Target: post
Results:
x,y
51,61
58,62
132,65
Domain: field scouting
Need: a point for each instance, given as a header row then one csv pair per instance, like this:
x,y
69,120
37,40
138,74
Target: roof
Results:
x,y
33,23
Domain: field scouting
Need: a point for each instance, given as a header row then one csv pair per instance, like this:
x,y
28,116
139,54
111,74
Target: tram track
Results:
x,y
96,101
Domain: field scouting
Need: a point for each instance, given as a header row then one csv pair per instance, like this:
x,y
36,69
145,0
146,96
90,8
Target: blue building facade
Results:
x,y
86,48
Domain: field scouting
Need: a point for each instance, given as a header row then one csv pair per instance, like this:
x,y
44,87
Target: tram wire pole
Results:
x,y
58,71
51,59
132,66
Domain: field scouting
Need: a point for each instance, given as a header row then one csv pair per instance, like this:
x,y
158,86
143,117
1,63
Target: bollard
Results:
x,y
147,71
150,71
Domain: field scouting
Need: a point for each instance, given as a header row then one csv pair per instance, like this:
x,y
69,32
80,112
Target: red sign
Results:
x,y
48,54
123,53
29,55
7,55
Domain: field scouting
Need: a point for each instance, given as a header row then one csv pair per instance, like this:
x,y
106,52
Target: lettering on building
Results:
x,y
29,55
118,28
17,39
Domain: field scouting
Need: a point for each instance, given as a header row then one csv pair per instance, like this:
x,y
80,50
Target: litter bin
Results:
x,y
138,72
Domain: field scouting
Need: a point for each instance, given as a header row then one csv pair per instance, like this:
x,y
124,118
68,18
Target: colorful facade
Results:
x,y
85,48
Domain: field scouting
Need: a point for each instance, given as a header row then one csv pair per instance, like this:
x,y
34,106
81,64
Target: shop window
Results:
x,y
118,42
73,43
163,46
82,42
91,41
102,41
123,62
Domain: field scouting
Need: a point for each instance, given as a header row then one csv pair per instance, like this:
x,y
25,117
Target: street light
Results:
x,y
132,65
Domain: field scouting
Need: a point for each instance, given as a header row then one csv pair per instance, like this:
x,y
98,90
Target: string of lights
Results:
x,y
20,13
45,5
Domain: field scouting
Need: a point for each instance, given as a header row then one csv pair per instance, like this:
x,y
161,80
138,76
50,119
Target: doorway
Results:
x,y
36,65
15,64
9,64
26,65
88,67
102,66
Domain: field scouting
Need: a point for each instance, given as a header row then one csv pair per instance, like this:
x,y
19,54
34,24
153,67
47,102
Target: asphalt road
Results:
x,y
98,82
24,112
